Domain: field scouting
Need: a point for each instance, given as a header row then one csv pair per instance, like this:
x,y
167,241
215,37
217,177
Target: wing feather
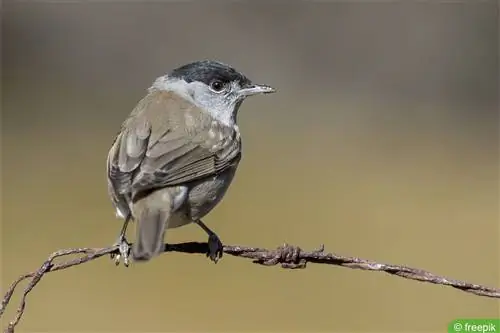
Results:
x,y
153,149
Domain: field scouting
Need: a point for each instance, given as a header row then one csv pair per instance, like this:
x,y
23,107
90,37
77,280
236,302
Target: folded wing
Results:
x,y
157,148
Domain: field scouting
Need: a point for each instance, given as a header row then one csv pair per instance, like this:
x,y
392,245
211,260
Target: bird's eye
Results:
x,y
217,86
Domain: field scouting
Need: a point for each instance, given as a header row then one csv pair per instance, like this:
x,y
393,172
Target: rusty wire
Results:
x,y
288,256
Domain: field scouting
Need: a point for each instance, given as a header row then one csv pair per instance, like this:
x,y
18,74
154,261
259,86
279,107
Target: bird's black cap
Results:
x,y
207,71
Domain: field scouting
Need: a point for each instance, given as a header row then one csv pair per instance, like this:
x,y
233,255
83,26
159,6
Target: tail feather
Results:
x,y
151,228
152,214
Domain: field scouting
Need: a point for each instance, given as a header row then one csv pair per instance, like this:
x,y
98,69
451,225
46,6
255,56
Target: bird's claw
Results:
x,y
123,251
215,248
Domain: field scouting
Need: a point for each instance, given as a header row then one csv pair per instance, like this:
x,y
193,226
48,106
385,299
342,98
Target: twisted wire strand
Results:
x,y
287,256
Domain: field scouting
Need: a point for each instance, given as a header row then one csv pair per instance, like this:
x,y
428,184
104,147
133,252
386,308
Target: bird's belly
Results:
x,y
204,195
178,219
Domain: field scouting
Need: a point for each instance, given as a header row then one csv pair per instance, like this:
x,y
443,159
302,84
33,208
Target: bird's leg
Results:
x,y
215,247
123,245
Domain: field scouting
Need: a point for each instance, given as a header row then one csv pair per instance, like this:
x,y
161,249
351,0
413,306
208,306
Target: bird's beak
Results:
x,y
255,89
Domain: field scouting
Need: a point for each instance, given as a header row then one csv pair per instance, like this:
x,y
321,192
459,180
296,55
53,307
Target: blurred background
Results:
x,y
382,143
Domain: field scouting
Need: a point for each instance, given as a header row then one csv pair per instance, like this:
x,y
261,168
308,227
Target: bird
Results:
x,y
176,155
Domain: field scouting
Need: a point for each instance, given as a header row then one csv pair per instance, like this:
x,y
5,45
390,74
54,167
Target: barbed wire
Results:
x,y
288,256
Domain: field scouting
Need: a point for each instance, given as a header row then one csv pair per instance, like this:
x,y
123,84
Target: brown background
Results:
x,y
381,143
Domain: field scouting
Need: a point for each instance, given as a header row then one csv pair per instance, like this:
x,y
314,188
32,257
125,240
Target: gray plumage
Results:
x,y
175,156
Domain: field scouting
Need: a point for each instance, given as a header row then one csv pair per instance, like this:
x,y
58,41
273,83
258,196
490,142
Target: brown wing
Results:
x,y
157,148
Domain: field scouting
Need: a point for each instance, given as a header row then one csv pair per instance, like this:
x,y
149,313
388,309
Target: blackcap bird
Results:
x,y
176,154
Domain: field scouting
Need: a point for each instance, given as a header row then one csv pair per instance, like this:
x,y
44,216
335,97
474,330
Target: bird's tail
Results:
x,y
151,224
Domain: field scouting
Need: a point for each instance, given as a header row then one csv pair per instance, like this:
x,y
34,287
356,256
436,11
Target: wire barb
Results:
x,y
288,256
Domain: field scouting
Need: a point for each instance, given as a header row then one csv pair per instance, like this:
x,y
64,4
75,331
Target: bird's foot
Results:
x,y
215,248
123,251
